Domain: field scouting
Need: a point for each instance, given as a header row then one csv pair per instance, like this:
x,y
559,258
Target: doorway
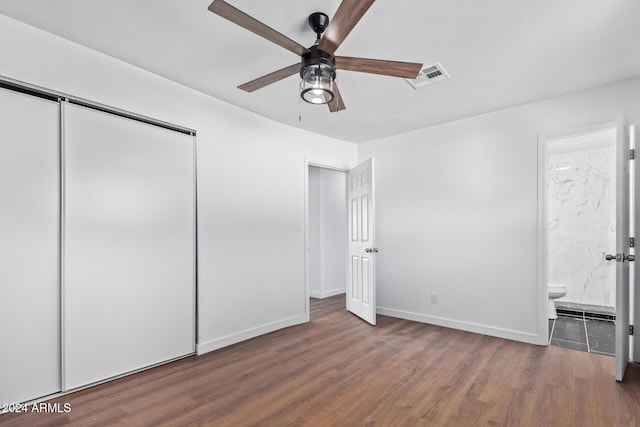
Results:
x,y
327,231
359,242
580,230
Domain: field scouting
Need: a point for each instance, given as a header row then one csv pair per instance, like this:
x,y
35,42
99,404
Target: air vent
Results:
x,y
428,75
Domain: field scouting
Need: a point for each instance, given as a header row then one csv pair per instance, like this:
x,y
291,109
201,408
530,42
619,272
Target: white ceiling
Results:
x,y
499,53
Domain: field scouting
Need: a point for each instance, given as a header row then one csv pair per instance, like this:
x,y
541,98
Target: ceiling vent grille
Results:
x,y
429,74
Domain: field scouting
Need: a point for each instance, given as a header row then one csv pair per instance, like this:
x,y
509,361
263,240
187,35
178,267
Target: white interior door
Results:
x,y
129,246
29,247
361,271
622,250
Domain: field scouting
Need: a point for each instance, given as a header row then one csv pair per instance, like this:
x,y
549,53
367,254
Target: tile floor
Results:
x,y
583,333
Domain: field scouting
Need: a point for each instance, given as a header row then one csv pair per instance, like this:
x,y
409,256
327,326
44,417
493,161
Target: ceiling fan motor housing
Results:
x,y
318,59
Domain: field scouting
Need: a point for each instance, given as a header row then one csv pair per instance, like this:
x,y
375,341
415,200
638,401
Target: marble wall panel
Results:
x,y
581,209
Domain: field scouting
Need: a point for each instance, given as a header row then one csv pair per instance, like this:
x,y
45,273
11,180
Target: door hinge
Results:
x,y
630,329
632,242
632,154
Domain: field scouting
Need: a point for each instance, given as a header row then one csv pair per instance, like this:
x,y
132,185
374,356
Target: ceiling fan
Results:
x,y
318,64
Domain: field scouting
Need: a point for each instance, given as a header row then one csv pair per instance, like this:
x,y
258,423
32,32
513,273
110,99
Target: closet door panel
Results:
x,y
29,247
129,280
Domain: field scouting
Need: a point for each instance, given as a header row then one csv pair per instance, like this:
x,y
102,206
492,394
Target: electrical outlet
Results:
x,y
434,297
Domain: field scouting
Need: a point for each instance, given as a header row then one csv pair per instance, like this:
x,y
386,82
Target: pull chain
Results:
x,y
299,103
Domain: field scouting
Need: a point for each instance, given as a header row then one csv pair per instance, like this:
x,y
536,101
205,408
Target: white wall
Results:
x,y
334,231
315,251
250,180
327,232
457,213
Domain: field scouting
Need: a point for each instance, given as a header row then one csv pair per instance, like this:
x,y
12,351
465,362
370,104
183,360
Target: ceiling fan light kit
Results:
x,y
317,73
318,63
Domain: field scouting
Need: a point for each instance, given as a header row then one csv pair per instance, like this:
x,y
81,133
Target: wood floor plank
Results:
x,y
340,371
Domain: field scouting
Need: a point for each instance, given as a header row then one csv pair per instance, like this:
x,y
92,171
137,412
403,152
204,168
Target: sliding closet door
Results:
x,y
29,247
128,245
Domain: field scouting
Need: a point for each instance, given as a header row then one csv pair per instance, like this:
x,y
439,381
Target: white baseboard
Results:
x,y
477,328
228,340
327,294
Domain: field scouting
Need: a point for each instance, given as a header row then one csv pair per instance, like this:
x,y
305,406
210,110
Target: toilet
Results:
x,y
555,290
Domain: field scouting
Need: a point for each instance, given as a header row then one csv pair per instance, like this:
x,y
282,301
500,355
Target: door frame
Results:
x,y
634,221
543,139
324,164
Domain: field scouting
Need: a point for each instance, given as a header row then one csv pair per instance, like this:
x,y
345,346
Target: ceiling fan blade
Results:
x,y
337,104
224,9
347,16
263,81
409,70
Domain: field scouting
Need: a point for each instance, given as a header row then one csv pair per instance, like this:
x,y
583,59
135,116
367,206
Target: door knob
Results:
x,y
620,258
369,250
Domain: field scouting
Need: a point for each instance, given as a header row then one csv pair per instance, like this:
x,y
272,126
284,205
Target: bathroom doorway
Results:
x,y
580,230
326,226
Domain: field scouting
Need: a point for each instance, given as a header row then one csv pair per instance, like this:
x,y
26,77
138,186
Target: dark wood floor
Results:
x,y
337,370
